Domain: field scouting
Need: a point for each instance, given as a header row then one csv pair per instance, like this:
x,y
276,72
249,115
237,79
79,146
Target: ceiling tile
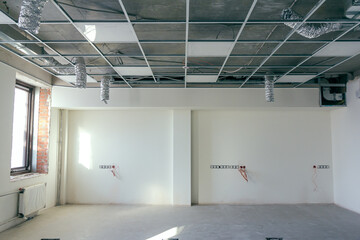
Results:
x,y
5,19
134,71
339,49
201,78
208,49
295,78
108,32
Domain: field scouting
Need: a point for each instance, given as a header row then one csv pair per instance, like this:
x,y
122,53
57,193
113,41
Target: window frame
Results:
x,y
30,129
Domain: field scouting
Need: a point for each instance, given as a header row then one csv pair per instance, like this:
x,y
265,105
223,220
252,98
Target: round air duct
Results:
x,y
80,72
269,88
30,15
105,89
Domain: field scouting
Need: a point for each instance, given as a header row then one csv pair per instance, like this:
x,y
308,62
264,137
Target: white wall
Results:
x,y
8,204
189,98
279,149
181,157
138,142
345,125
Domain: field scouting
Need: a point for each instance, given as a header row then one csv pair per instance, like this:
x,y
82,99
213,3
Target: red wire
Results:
x,y
243,174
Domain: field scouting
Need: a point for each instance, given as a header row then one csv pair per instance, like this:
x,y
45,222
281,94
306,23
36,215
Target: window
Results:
x,y
22,128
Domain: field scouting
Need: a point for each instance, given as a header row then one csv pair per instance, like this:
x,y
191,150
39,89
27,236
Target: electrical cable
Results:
x,y
243,173
115,171
7,7
314,179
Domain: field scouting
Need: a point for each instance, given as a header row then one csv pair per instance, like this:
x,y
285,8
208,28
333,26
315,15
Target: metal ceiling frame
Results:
x,y
187,16
237,37
339,63
194,66
188,23
137,39
180,41
343,20
57,54
308,15
67,16
317,50
25,59
159,55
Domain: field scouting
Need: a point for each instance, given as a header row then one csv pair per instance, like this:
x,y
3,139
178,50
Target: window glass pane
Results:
x,y
20,122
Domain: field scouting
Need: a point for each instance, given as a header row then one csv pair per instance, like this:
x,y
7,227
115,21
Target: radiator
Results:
x,y
32,199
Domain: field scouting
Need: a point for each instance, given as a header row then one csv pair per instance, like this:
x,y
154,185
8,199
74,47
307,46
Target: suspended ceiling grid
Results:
x,y
162,43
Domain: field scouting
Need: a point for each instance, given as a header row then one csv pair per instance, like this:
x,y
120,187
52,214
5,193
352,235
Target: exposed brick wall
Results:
x,y
43,131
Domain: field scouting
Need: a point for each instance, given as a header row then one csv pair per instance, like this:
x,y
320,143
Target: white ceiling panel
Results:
x,y
134,71
108,32
295,78
5,19
208,49
72,78
339,49
201,78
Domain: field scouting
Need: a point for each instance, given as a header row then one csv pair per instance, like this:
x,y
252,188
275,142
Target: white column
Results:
x,y
182,157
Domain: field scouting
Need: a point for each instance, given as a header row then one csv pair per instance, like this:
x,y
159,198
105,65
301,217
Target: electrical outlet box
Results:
x,y
323,166
106,166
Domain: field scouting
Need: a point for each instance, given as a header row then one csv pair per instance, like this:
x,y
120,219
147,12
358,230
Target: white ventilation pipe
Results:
x,y
80,72
269,88
30,15
105,89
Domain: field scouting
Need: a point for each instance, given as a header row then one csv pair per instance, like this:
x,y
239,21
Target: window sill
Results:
x,y
25,176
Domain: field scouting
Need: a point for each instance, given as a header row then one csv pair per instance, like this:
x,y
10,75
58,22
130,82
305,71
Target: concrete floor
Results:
x,y
107,222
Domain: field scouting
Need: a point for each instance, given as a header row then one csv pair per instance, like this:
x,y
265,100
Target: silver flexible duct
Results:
x,y
269,88
80,72
61,71
309,30
105,89
30,15
48,61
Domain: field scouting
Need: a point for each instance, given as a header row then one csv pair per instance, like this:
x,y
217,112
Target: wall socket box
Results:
x,y
323,166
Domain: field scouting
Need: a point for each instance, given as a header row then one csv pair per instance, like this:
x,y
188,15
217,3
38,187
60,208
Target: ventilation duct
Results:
x,y
331,96
47,61
310,30
269,88
80,72
30,15
105,89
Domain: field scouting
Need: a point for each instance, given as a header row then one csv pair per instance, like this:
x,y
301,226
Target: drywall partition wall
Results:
x,y
137,143
278,148
8,204
190,98
345,124
181,147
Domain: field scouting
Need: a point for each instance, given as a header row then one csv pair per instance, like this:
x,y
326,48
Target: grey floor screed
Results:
x,y
106,222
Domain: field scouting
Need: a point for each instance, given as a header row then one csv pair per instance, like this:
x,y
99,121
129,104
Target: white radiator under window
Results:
x,y
32,199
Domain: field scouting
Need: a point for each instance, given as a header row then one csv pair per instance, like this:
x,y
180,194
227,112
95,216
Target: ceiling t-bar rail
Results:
x,y
310,13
